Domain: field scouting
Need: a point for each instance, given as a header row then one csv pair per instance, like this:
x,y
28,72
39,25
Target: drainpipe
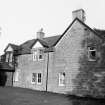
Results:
x,y
14,66
13,62
47,71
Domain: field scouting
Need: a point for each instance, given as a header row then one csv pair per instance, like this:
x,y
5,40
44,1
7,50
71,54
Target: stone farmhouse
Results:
x,y
73,62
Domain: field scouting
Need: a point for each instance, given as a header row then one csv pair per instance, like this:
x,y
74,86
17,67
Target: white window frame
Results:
x,y
89,53
37,53
34,55
10,57
7,57
33,82
16,78
62,79
40,52
39,83
36,79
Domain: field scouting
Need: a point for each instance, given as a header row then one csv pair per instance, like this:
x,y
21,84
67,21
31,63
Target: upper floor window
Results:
x,y
37,54
34,55
40,54
9,57
92,53
62,79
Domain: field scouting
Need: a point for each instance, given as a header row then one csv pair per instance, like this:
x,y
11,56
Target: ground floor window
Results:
x,y
39,78
36,78
62,79
16,78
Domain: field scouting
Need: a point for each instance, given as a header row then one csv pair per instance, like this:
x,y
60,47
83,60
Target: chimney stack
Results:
x,y
80,14
40,34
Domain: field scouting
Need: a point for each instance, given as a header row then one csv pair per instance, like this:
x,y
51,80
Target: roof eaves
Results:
x,y
65,31
12,45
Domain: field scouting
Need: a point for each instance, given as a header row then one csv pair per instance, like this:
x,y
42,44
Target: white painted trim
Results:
x,y
9,48
89,58
37,79
60,81
32,78
17,73
37,45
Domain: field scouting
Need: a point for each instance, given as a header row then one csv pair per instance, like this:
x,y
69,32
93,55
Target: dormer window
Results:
x,y
40,54
37,54
92,53
34,55
9,56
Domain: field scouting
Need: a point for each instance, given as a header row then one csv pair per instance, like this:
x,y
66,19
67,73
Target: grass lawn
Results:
x,y
19,96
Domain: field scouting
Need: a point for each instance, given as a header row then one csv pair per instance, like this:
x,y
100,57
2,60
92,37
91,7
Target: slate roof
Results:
x,y
46,42
15,47
25,48
101,33
50,42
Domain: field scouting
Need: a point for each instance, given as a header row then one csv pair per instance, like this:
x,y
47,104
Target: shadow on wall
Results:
x,y
3,78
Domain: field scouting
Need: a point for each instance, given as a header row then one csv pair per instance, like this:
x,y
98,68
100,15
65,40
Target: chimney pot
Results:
x,y
40,34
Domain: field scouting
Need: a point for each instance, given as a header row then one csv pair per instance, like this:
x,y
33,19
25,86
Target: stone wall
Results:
x,y
66,59
90,80
27,66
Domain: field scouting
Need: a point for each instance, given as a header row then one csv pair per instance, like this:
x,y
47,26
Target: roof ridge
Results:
x,y
51,36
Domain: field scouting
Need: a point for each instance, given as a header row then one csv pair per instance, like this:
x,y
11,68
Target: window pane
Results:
x,y
34,77
40,56
62,79
7,57
34,55
92,53
17,75
10,57
39,77
40,53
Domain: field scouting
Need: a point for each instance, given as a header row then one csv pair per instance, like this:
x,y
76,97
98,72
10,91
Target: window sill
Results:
x,y
92,60
61,85
39,83
38,60
33,83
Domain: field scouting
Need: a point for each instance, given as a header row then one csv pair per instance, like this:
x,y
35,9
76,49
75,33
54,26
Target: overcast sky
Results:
x,y
21,19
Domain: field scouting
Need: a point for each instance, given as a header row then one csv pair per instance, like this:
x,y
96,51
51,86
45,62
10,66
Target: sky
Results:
x,y
21,19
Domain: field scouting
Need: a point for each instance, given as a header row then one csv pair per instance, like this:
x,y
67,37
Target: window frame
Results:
x,y
9,57
40,52
36,54
90,55
39,83
33,77
36,79
62,79
16,78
